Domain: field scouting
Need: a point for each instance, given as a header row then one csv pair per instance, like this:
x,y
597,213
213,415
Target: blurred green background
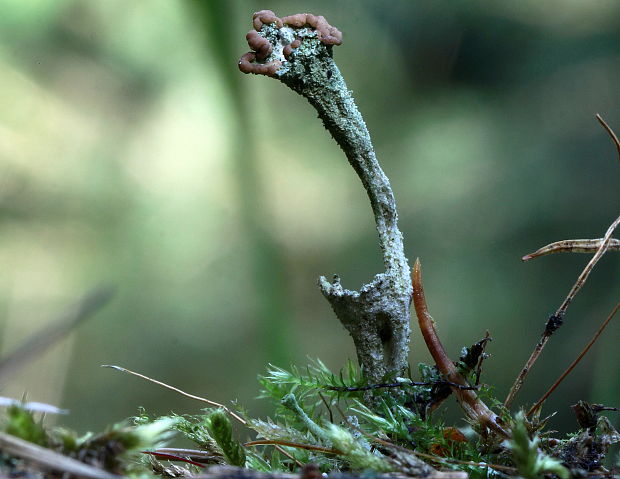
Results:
x,y
133,153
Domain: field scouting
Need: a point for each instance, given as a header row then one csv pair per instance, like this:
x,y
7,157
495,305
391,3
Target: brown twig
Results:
x,y
297,445
613,136
172,457
574,246
588,269
196,455
555,321
600,330
472,405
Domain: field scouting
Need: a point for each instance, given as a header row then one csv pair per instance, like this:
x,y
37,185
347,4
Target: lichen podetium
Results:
x,y
297,50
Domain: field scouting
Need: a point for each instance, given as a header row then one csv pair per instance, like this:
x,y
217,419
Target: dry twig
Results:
x,y
297,445
182,393
474,408
574,246
555,321
602,249
613,136
600,330
195,455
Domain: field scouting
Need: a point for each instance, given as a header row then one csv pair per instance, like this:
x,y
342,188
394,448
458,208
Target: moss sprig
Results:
x,y
220,429
530,461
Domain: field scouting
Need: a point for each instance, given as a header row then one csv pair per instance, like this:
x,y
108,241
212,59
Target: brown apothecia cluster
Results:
x,y
262,48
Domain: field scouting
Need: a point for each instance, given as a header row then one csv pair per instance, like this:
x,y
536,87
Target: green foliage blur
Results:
x,y
134,153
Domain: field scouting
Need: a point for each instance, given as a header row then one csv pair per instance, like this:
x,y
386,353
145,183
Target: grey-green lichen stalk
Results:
x,y
298,51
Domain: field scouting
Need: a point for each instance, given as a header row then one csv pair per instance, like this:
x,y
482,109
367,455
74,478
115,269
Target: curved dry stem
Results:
x,y
556,320
469,401
376,316
176,390
577,360
296,445
599,247
602,249
608,129
574,246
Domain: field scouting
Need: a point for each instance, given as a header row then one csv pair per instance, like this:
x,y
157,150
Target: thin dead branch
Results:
x,y
574,246
600,330
173,457
599,247
555,321
471,404
196,455
297,445
588,269
613,136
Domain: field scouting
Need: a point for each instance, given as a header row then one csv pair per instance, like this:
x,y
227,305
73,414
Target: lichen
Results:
x,y
377,317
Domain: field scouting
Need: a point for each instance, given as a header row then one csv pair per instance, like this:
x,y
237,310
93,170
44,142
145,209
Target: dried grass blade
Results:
x,y
197,398
307,447
574,246
602,249
613,136
172,457
469,401
197,455
182,393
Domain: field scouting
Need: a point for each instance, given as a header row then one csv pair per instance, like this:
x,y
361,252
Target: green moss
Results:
x,y
220,429
21,423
